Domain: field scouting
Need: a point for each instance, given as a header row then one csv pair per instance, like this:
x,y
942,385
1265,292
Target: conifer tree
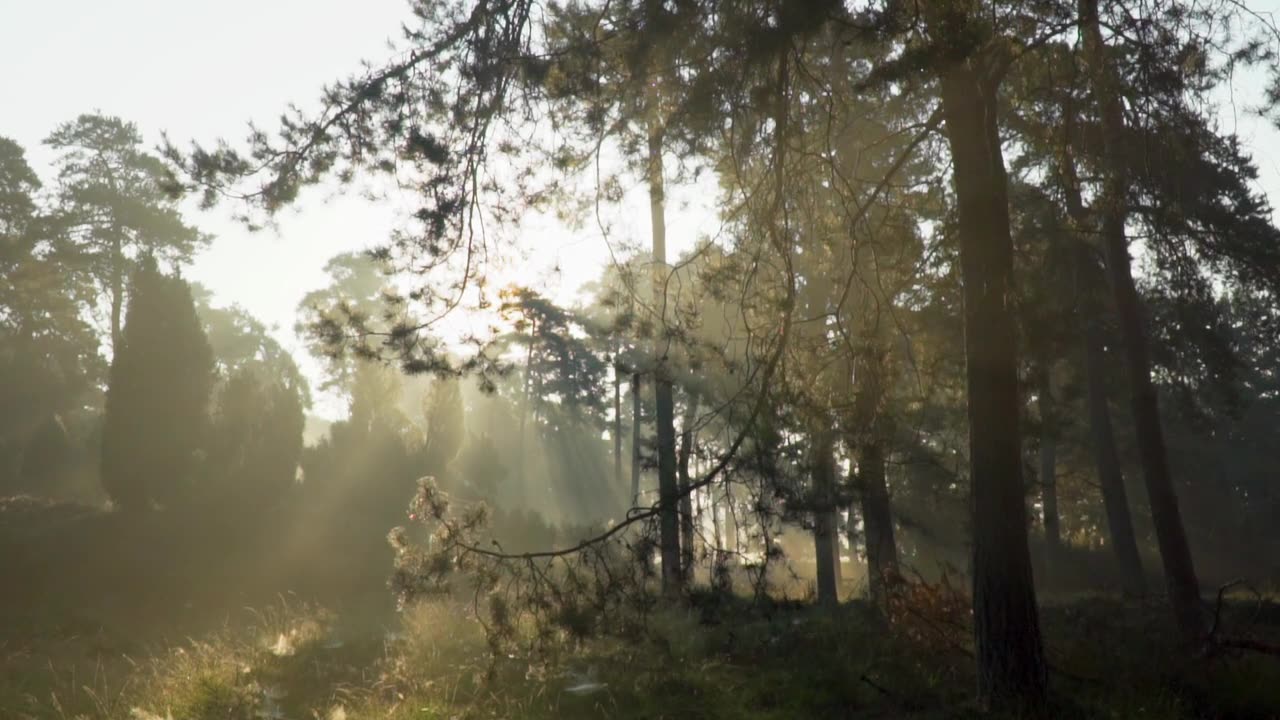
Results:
x,y
157,395
114,206
49,361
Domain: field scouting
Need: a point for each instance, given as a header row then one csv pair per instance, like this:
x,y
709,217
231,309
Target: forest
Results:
x,y
963,401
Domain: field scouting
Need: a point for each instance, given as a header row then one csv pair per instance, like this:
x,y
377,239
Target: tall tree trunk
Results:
x,y
877,520
686,496
664,400
668,488
522,478
1114,495
824,516
871,432
1010,652
117,287
1048,461
835,540
1089,284
851,525
717,525
731,517
713,506
637,415
1179,570
617,422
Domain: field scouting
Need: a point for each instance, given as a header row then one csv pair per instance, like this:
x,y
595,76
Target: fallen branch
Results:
x,y
1215,642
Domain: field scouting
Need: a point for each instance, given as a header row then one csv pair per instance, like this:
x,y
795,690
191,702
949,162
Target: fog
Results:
x,y
725,360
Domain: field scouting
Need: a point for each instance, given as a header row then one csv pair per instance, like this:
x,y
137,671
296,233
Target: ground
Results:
x,y
137,652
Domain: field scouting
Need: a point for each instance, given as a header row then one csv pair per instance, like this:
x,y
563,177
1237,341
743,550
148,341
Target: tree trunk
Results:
x,y
522,460
851,524
686,497
871,432
1114,495
1010,653
1107,458
637,415
824,516
668,489
731,518
1048,461
1179,570
664,401
117,288
617,423
717,525
877,520
835,542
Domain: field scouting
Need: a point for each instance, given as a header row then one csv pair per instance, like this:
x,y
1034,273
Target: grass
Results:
x,y
1110,660
106,638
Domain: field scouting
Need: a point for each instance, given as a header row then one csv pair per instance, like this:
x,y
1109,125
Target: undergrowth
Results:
x,y
712,658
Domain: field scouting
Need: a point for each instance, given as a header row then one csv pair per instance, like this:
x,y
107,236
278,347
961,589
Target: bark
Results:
x,y
1010,653
835,545
522,461
717,525
636,416
873,431
117,287
824,520
686,497
1179,570
877,520
664,401
1048,461
1110,477
1106,456
731,518
668,489
617,424
851,525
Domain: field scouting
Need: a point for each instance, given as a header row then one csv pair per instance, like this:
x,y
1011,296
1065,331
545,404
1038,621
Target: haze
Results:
x,y
763,358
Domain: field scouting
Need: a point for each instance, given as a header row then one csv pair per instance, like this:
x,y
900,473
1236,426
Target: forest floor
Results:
x,y
77,655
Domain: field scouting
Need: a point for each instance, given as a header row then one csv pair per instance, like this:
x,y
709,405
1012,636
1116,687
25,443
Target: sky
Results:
x,y
201,70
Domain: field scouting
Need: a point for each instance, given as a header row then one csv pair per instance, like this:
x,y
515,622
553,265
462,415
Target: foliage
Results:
x,y
114,207
918,206
157,396
49,361
254,444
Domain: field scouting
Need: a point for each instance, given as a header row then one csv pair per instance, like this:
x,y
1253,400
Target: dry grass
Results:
x,y
301,663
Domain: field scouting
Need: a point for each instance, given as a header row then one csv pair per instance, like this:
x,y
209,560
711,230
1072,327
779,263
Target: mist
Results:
x,y
689,359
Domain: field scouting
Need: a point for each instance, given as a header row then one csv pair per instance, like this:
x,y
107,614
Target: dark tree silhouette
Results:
x,y
157,395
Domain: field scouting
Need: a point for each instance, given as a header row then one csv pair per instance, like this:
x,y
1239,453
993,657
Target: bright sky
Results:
x,y
201,70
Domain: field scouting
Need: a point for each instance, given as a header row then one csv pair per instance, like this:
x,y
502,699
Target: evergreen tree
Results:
x,y
444,425
357,285
115,207
157,395
478,472
254,443
49,359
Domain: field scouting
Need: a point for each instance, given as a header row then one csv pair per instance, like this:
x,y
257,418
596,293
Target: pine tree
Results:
x,y
49,360
1011,664
114,206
